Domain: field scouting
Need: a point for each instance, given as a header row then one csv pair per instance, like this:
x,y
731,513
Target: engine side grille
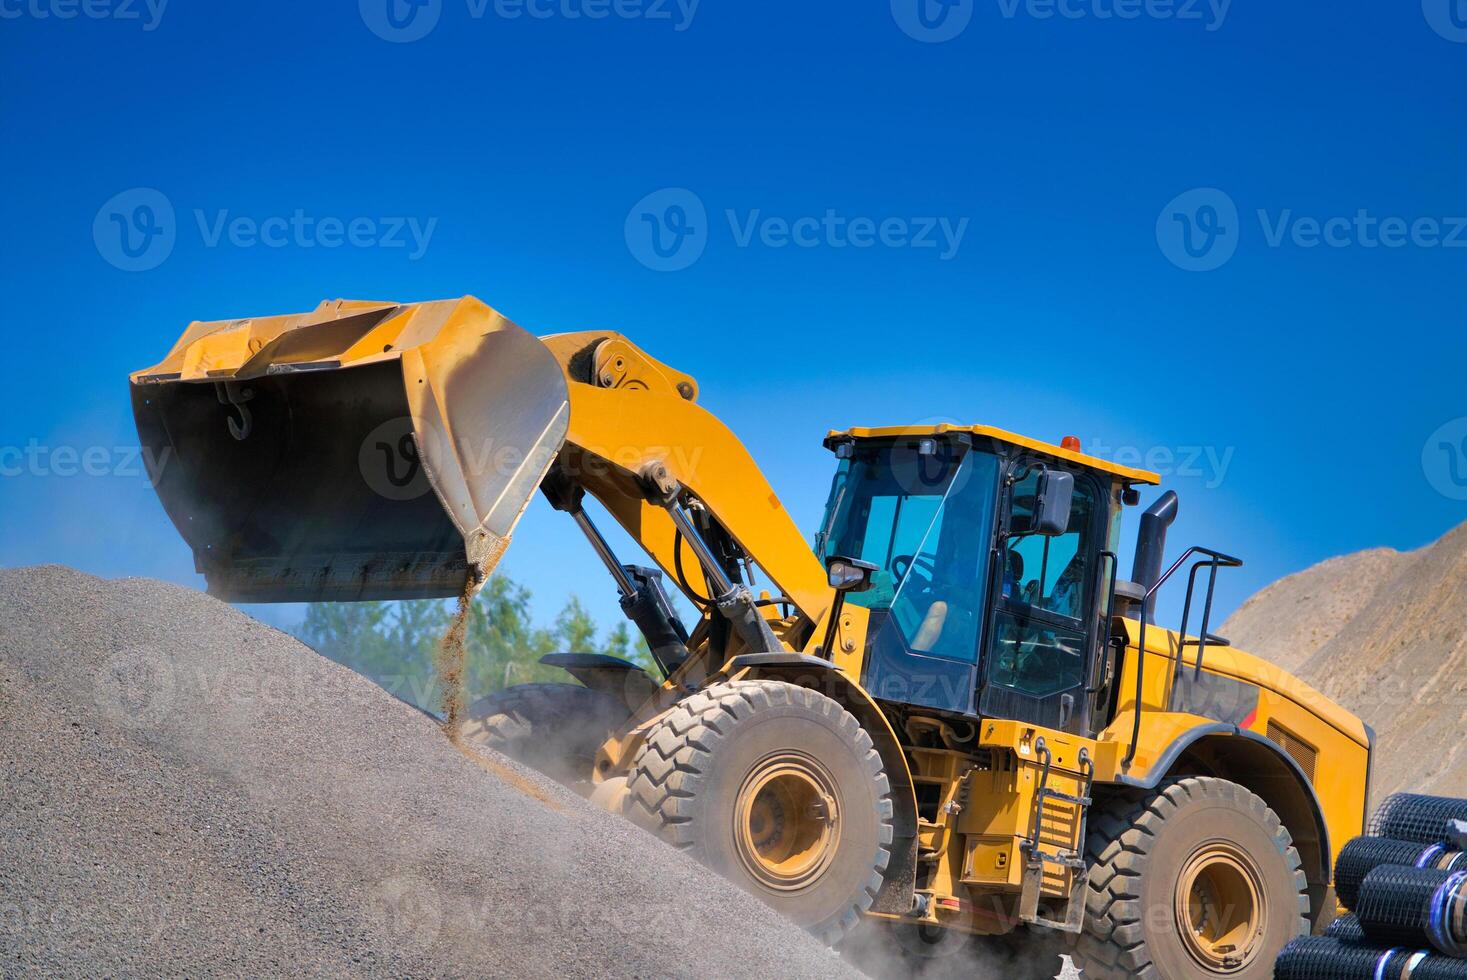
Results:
x,y
1298,749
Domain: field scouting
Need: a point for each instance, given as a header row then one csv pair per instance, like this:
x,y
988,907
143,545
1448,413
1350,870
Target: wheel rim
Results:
x,y
787,821
1221,908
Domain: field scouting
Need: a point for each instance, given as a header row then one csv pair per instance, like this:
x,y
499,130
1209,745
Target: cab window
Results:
x,y
1041,626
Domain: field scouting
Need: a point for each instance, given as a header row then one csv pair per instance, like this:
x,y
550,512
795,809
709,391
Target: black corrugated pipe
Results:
x,y
1151,543
1414,908
1413,817
1346,929
1364,854
1323,958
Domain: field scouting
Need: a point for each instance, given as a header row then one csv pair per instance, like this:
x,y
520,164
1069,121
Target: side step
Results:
x,y
1072,860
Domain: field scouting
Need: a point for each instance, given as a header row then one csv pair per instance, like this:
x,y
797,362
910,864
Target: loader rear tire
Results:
x,y
779,789
555,728
1195,880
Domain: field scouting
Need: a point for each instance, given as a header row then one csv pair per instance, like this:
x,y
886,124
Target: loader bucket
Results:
x,y
361,451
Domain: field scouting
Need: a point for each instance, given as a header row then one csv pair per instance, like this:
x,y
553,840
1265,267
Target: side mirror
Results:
x,y
846,575
1056,493
849,574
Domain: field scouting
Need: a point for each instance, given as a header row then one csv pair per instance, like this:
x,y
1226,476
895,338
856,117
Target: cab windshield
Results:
x,y
886,507
925,519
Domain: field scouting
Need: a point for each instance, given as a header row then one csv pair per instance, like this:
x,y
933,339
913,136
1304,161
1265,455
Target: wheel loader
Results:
x,y
951,718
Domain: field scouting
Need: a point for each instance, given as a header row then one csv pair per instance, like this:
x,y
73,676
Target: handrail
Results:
x,y
1214,561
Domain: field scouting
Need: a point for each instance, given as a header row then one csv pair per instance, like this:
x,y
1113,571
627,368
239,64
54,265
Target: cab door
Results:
x,y
1044,623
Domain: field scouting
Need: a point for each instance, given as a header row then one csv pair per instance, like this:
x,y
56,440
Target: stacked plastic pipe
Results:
x,y
1405,886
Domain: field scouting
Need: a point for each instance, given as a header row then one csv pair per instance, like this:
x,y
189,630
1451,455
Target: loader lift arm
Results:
x,y
620,392
631,416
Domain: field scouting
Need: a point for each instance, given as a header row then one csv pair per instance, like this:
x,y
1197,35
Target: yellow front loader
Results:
x,y
952,718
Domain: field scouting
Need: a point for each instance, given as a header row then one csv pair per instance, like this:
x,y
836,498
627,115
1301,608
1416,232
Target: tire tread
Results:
x,y
675,759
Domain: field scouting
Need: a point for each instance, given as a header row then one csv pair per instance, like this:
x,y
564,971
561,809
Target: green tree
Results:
x,y
394,643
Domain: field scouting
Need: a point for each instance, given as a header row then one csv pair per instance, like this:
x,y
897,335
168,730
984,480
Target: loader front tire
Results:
x,y
1195,880
555,728
777,788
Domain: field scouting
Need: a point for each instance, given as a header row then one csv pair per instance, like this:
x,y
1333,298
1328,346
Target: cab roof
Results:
x,y
987,431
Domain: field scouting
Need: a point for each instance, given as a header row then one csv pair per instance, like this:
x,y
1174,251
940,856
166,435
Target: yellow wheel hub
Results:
x,y
787,821
1221,908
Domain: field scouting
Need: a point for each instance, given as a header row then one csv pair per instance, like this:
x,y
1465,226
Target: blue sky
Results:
x,y
1229,239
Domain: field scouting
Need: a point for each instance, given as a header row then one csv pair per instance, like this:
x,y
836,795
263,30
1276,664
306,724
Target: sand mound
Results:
x,y
183,789
1385,634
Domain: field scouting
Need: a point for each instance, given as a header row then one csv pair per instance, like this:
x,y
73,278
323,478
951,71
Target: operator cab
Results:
x,y
994,557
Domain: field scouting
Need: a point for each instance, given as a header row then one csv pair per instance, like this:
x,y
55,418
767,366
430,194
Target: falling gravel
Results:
x,y
185,790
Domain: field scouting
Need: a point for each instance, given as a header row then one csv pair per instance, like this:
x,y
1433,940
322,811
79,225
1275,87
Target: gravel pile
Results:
x,y
185,790
1396,655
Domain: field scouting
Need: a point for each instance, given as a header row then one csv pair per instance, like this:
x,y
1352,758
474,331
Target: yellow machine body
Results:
x,y
294,443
